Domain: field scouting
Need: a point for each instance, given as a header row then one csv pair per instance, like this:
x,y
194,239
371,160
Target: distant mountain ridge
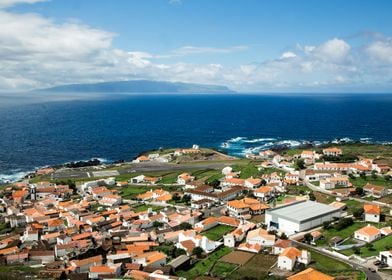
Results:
x,y
139,86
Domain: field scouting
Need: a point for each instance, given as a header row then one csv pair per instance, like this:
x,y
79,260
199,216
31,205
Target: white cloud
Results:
x,y
335,49
191,50
381,51
9,3
287,55
37,52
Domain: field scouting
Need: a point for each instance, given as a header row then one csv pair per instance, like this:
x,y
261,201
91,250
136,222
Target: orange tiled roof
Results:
x,y
372,209
310,274
291,253
368,230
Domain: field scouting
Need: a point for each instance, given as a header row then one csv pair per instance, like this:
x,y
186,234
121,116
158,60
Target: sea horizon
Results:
x,y
54,132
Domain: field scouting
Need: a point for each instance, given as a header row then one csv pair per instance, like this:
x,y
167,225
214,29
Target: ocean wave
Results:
x,y
241,146
13,176
257,140
236,139
18,174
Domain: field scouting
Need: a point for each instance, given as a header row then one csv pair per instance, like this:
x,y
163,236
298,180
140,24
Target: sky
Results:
x,y
247,45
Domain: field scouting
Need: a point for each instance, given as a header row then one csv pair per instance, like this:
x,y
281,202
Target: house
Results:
x,y
280,245
110,200
44,256
207,192
83,265
252,248
375,191
316,235
291,179
310,274
309,155
265,193
189,240
141,159
252,183
327,166
386,257
231,182
97,271
156,195
260,236
184,178
226,170
368,233
372,213
206,224
137,179
381,168
245,206
290,256
202,203
142,179
332,152
386,231
267,154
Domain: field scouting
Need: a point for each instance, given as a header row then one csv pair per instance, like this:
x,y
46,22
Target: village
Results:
x,y
306,213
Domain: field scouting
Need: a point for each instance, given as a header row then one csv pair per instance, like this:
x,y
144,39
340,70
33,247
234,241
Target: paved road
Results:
x,y
356,266
152,166
138,167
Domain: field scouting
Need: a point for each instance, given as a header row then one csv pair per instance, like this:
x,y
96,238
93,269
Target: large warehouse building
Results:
x,y
299,216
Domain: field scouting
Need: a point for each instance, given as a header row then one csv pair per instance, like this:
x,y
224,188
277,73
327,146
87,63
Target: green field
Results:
x,y
380,181
379,245
222,269
217,232
144,207
257,267
327,264
344,233
352,205
130,192
203,266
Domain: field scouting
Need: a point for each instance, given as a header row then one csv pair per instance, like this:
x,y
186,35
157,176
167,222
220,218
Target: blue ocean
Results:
x,y
113,127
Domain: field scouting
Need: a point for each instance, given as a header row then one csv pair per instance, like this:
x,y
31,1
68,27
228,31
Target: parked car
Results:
x,y
372,269
377,262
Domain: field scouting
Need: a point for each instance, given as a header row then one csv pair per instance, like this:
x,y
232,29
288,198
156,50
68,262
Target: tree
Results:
x,y
387,177
176,197
359,191
284,236
186,198
312,196
370,246
357,250
179,252
358,212
300,164
362,175
308,238
197,251
343,223
185,226
214,183
157,224
374,175
326,225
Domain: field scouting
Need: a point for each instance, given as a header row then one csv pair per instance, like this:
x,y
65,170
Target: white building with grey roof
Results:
x,y
299,216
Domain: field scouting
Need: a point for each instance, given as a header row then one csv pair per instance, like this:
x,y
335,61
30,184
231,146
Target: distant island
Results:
x,y
138,86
